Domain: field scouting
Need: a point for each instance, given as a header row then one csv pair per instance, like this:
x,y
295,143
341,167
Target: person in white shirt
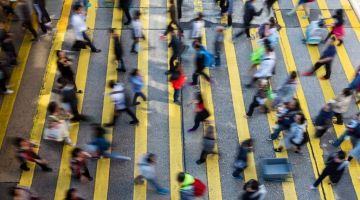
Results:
x,y
267,65
137,32
117,95
78,22
197,27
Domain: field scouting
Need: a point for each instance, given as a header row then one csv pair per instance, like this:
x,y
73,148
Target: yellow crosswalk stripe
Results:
x,y
141,113
289,185
314,144
175,137
15,80
64,177
353,19
212,162
45,92
354,168
103,165
238,101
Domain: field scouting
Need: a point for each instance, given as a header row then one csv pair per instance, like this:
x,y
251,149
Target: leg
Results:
x,y
154,183
237,172
338,141
203,156
179,5
89,43
252,106
277,132
327,37
142,95
132,115
122,64
317,66
28,25
321,177
327,70
307,9
195,78
205,75
3,85
176,95
229,19
196,123
86,173
247,31
339,118
127,14
136,95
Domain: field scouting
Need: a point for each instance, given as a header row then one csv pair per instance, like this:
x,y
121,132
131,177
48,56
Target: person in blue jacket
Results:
x,y
137,83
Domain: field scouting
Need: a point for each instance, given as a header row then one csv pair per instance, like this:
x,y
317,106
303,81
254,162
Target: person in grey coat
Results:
x,y
208,145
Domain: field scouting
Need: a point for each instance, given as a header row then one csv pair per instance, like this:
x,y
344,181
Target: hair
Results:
x,y
99,131
247,143
75,152
17,141
272,21
52,107
200,15
341,155
58,53
293,74
134,72
77,7
339,12
181,177
69,193
112,83
347,92
112,30
253,184
333,38
149,157
302,117
137,13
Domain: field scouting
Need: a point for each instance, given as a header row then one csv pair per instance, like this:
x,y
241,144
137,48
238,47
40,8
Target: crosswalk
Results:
x,y
217,171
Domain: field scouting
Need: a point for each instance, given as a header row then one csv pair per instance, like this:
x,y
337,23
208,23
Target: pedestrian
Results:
x,y
64,64
147,171
352,131
70,101
25,11
177,48
229,9
125,6
337,29
286,91
296,136
137,83
269,4
43,15
259,98
218,46
341,105
267,65
78,165
208,144
177,80
4,88
335,167
323,120
118,96
100,146
190,187
249,14
253,190
201,113
355,84
57,127
118,50
305,4
272,32
326,59
25,153
200,64
241,160
81,38
137,32
285,117
20,192
173,21
7,45
198,25
72,194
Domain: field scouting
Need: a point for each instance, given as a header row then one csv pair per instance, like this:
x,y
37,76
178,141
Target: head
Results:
x,y
98,130
272,21
299,118
346,92
112,84
197,45
200,16
137,14
71,194
2,24
251,186
248,143
294,104
327,107
112,32
19,142
171,2
263,83
60,53
53,107
151,158
340,156
181,177
134,72
79,9
293,75
76,152
339,12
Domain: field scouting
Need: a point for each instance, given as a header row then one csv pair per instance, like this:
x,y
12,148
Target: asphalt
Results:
x,y
122,173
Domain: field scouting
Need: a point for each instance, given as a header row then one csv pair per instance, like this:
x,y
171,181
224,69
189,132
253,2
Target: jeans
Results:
x,y
121,63
277,131
176,95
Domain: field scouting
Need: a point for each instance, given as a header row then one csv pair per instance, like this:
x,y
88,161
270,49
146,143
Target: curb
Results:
x,y
356,6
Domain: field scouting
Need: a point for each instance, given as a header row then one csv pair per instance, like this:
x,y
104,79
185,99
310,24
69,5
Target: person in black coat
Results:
x,y
177,48
125,5
335,167
253,191
200,65
43,16
173,21
324,120
118,50
249,14
242,158
7,44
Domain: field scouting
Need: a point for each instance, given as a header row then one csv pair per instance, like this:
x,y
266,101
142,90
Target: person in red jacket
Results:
x,y
177,80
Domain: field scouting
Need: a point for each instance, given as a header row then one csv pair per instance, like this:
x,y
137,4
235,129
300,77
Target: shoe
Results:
x,y
238,177
177,103
192,84
134,122
199,162
163,37
79,91
191,130
8,91
47,169
163,191
96,51
324,78
307,74
311,187
278,149
75,119
121,69
137,103
25,168
127,23
135,52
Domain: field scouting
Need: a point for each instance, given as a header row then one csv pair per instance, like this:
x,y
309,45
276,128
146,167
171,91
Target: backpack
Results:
x,y
256,55
199,188
209,59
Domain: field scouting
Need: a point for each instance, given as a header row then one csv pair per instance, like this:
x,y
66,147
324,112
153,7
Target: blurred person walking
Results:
x,y
177,80
190,187
43,16
173,21
201,113
20,192
259,98
72,194
323,120
341,105
208,144
137,32
125,6
137,83
305,4
286,91
118,50
7,44
241,160
253,190
78,165
249,14
25,15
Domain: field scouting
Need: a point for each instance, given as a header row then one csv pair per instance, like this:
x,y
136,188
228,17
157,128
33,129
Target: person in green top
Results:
x,y
186,182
